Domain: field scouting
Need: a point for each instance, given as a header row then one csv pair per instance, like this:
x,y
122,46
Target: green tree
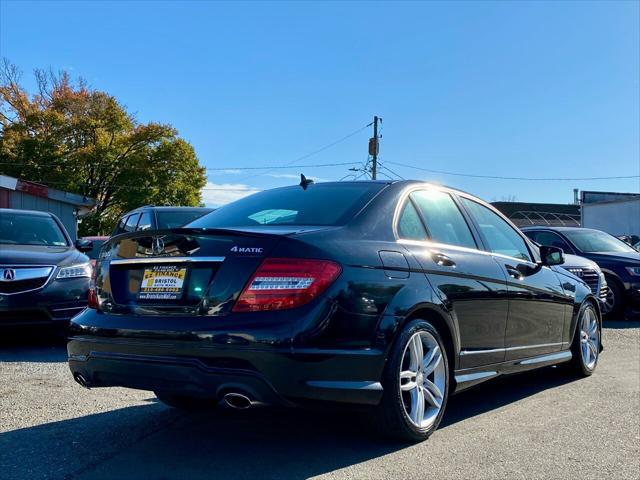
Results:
x,y
81,140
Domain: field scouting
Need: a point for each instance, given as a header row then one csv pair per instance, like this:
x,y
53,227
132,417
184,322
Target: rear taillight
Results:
x,y
281,283
92,300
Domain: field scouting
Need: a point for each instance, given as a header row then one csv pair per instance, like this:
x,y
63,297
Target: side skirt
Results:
x,y
469,377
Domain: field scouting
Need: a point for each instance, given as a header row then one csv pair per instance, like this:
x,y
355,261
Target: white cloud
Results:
x,y
217,194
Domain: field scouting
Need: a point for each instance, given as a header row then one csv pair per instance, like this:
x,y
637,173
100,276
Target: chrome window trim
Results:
x,y
435,245
53,270
156,260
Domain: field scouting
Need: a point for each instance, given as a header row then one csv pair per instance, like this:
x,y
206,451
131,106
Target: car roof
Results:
x,y
558,229
35,213
398,183
168,208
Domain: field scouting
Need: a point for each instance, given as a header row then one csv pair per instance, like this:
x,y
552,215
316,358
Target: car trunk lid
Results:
x,y
195,271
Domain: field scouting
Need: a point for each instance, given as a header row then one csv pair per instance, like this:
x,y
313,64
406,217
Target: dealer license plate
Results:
x,y
162,282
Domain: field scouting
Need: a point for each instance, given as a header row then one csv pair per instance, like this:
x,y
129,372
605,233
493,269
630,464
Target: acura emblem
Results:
x,y
157,247
8,274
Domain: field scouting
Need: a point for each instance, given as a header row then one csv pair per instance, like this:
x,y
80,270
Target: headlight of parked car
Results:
x,y
635,271
75,271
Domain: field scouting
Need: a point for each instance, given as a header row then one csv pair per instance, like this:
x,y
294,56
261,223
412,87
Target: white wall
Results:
x,y
616,218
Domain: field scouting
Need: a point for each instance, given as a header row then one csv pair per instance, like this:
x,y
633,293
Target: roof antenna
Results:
x,y
305,182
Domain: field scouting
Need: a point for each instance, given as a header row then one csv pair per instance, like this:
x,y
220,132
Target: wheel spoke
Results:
x,y
432,393
431,361
417,405
585,352
592,349
415,353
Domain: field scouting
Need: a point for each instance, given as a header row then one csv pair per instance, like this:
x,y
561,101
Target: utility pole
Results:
x,y
374,146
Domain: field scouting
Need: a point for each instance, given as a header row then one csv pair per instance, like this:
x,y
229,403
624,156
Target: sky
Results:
x,y
510,89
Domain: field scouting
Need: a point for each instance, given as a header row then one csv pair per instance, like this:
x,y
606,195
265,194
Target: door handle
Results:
x,y
442,259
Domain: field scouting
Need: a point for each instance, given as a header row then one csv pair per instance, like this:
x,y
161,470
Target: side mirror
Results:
x,y
84,245
551,256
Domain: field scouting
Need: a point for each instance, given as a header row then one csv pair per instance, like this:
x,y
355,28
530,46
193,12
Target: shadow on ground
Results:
x,y
35,345
152,441
621,324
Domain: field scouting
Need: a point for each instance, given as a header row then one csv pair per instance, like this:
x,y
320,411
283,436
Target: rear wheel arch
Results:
x,y
444,328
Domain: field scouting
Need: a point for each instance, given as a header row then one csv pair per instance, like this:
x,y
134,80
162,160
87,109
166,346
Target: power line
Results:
x,y
497,177
391,171
315,152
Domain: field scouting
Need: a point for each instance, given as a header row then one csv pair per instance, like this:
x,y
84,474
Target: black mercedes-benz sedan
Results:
x,y
44,277
388,295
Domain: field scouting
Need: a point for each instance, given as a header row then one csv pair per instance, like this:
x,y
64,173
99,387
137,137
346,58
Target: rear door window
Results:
x,y
409,224
445,223
145,221
132,221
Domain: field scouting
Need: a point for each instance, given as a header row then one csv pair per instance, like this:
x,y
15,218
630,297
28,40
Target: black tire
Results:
x,y
184,402
577,365
390,415
615,295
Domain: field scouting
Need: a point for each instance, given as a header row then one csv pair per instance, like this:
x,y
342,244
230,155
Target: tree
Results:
x,y
74,138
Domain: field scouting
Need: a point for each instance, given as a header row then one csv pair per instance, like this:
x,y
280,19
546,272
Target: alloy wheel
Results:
x,y
610,301
422,379
589,338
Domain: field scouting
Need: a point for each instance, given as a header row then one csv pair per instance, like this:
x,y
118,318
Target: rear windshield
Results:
x,y
25,229
177,218
322,204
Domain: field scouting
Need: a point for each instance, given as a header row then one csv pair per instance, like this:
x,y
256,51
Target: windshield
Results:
x,y
322,204
25,229
178,218
591,241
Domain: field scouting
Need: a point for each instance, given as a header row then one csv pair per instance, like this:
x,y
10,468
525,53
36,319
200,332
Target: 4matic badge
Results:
x,y
238,249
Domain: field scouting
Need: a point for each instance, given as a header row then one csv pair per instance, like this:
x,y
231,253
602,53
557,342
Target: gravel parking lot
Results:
x,y
537,425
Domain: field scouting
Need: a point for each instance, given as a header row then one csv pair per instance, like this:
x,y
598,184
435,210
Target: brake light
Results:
x,y
92,300
282,283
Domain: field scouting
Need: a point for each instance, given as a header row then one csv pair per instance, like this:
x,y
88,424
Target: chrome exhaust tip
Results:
x,y
238,401
79,378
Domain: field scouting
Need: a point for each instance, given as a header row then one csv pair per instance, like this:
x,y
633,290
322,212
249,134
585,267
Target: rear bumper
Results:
x,y
199,368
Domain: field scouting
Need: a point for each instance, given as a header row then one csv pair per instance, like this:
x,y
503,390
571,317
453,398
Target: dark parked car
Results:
x,y
389,295
590,273
155,218
619,262
44,278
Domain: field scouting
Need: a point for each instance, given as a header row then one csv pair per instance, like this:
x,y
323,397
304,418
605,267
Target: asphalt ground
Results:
x,y
541,424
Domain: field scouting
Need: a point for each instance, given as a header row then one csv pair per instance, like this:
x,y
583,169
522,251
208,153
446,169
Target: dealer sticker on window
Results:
x,y
162,282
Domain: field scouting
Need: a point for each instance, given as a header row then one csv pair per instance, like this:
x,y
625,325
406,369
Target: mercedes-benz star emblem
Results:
x,y
8,274
157,247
